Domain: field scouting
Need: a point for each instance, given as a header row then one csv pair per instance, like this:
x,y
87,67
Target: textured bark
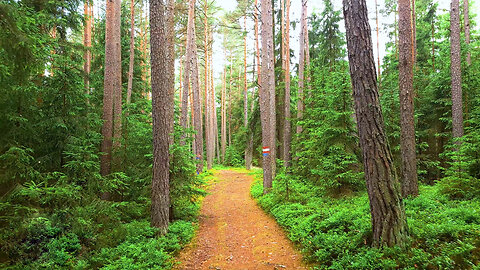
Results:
x,y
161,31
110,82
248,153
209,138
387,210
267,95
132,51
117,87
287,135
466,24
197,117
407,122
455,70
188,63
224,115
301,68
87,42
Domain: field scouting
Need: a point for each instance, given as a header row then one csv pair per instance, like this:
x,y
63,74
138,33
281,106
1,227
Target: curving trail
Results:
x,y
234,233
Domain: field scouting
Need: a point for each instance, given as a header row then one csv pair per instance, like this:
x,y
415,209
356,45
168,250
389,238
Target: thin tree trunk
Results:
x,y
248,154
110,83
132,51
387,210
466,22
87,42
188,64
163,86
433,44
455,70
117,91
407,122
224,115
267,96
209,139
301,69
287,136
197,119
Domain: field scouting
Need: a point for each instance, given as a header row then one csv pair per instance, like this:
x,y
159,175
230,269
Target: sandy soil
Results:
x,y
234,233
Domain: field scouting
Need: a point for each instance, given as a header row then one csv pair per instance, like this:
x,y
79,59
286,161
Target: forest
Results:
x,y
239,134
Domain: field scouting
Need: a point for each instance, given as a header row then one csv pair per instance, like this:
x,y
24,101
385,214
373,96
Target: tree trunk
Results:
x,y
132,51
455,70
87,42
162,56
301,68
287,136
111,83
407,122
466,22
248,154
197,116
267,96
224,116
387,210
188,64
117,90
209,139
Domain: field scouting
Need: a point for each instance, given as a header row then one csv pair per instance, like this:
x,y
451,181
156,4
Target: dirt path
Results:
x,y
234,233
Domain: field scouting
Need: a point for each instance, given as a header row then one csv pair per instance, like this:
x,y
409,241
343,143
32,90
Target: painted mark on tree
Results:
x,y
266,151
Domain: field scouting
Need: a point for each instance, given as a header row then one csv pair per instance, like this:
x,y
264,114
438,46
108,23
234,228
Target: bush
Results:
x,y
336,233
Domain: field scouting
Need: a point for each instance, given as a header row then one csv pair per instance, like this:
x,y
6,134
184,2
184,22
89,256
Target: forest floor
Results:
x,y
234,233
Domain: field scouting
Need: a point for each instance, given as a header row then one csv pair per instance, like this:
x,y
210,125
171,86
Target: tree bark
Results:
x,y
197,117
117,90
287,136
267,96
378,45
455,70
407,122
387,210
132,51
224,116
209,139
87,42
111,83
301,68
248,153
466,22
162,54
188,63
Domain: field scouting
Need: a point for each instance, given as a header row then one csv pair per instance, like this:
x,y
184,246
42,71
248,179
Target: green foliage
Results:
x,y
233,157
336,233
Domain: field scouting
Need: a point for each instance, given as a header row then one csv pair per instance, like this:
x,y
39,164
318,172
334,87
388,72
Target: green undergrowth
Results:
x,y
335,233
72,230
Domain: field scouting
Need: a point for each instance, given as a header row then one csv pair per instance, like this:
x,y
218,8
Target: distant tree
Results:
x,y
407,121
387,210
303,59
112,80
455,71
466,25
132,51
287,135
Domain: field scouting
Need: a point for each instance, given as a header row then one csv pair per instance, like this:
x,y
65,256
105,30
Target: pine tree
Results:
x,y
162,62
455,71
388,214
407,122
267,96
